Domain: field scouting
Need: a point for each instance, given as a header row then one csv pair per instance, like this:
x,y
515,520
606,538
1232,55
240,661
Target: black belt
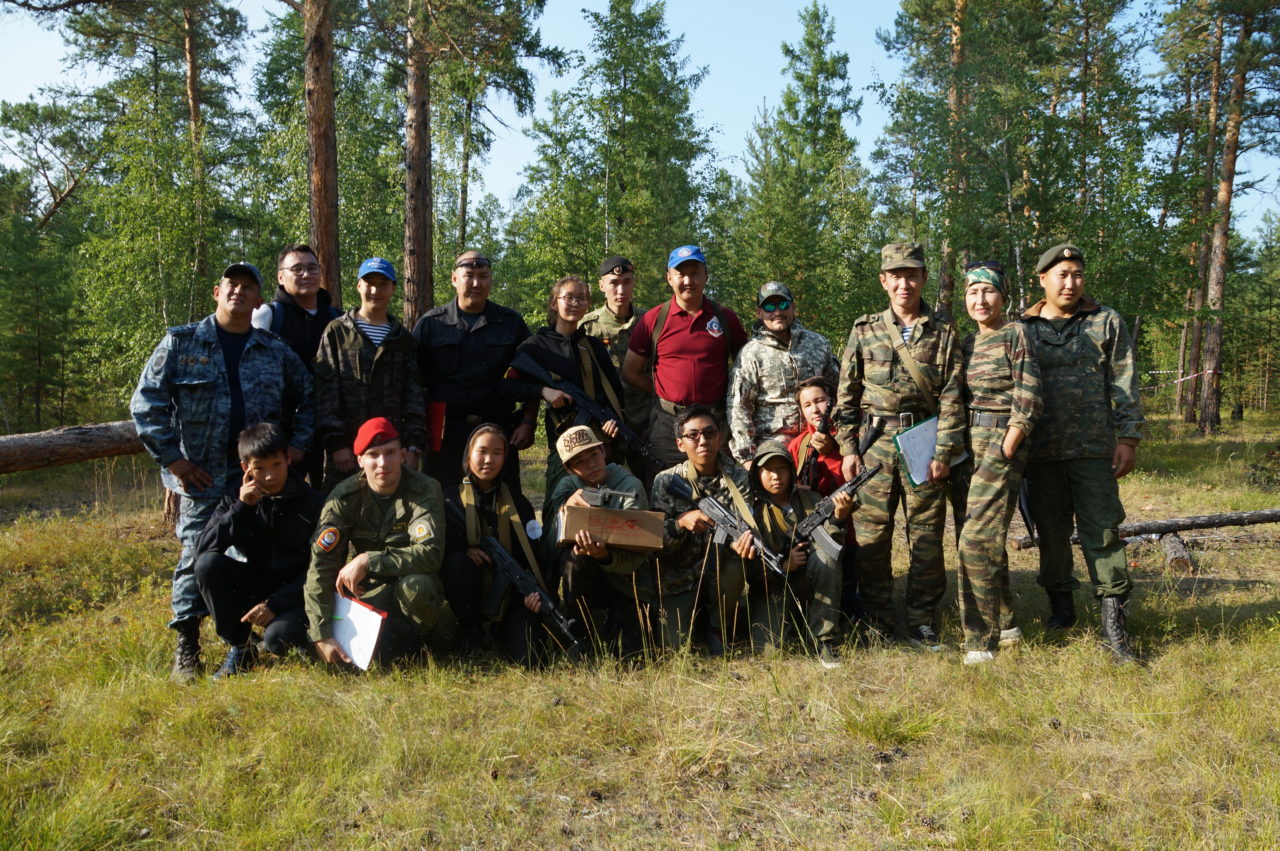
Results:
x,y
906,419
979,418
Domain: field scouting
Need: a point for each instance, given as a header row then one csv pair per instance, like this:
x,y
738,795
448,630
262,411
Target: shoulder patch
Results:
x,y
713,327
421,531
158,361
328,538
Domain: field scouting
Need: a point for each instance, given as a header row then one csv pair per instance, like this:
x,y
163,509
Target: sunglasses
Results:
x,y
993,265
771,306
473,263
708,432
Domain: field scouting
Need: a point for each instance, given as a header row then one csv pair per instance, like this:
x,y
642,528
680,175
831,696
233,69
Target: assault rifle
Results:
x,y
527,366
596,496
810,471
729,526
509,572
810,528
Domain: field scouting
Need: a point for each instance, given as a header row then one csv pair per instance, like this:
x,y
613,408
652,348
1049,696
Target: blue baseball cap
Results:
x,y
244,267
377,264
683,253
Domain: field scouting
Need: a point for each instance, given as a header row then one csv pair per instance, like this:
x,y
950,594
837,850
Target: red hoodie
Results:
x,y
829,475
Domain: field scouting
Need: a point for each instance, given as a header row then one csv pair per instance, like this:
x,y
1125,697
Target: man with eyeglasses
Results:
x,y
302,306
680,350
901,367
762,386
203,384
464,350
693,571
612,324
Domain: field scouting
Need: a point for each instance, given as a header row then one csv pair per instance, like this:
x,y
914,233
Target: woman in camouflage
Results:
x,y
1002,395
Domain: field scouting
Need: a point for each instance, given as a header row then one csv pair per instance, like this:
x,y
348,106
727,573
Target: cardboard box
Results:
x,y
639,531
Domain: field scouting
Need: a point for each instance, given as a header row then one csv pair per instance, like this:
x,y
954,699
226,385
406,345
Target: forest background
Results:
x,y
179,140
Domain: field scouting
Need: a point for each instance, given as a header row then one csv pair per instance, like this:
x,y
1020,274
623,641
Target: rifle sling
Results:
x,y
904,355
508,519
739,503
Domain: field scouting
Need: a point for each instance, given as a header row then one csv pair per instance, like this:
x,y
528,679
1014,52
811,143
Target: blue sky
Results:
x,y
738,42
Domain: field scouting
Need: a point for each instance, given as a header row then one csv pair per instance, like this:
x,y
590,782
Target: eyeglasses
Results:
x,y
574,299
300,269
708,432
771,306
993,265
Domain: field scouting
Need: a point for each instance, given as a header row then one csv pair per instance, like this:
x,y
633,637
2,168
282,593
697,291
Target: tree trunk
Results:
x,y
418,220
70,445
322,141
1211,396
1176,553
1176,524
946,274
191,57
465,178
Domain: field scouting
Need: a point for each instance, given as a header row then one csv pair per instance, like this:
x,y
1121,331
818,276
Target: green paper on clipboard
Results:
x,y
916,446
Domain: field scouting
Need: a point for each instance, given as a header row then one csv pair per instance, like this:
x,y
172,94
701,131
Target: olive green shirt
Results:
x,y
602,324
403,534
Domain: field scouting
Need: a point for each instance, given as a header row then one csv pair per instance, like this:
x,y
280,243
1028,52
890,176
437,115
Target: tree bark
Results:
x,y
322,141
1176,524
1211,396
955,103
419,230
464,179
69,445
1176,553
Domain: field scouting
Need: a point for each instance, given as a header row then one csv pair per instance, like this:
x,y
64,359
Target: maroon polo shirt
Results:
x,y
693,352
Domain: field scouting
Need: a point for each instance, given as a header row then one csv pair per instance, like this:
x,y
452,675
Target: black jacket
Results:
x,y
274,535
456,536
302,330
561,356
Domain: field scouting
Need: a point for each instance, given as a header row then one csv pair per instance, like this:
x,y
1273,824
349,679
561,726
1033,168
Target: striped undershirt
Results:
x,y
375,333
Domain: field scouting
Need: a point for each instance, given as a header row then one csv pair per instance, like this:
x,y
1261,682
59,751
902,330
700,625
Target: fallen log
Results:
x,y
69,445
1176,524
1176,554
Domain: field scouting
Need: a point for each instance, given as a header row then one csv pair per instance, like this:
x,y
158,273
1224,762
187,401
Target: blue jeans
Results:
x,y
186,601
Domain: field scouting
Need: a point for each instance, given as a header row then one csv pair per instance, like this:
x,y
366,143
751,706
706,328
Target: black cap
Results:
x,y
615,265
1055,255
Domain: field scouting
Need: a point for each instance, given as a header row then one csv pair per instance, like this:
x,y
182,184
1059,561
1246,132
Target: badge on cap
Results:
x,y
713,327
684,252
1066,252
420,532
328,538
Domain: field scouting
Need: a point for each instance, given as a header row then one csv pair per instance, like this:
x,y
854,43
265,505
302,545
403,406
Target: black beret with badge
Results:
x,y
1055,255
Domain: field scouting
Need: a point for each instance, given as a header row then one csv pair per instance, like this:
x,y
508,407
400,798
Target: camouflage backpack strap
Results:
x,y
590,369
507,512
904,355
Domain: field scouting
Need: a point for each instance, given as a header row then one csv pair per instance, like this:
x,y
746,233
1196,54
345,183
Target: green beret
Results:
x,y
902,255
1055,255
984,275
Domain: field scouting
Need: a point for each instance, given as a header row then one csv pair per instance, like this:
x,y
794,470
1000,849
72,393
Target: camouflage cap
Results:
x,y
902,255
773,289
575,441
985,275
1055,255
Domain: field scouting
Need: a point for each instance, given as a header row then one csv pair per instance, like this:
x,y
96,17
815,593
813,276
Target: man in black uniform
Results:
x,y
464,350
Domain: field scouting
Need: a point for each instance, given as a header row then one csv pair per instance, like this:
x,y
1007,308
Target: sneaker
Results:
x,y
239,659
186,660
924,636
977,657
1010,637
828,655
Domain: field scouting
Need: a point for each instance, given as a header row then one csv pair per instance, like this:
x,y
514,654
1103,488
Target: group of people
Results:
x,y
317,451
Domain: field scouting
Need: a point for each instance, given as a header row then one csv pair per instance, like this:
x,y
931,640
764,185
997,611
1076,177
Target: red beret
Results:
x,y
375,432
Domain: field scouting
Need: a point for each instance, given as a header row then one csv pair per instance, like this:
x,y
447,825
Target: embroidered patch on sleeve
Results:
x,y
328,538
421,531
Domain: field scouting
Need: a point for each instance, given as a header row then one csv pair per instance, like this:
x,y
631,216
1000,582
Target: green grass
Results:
x,y
1050,746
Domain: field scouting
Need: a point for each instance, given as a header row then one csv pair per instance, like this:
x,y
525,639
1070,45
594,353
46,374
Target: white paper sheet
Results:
x,y
916,445
356,627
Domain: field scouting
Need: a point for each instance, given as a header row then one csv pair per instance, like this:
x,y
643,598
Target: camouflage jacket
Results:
x,y
404,537
686,555
762,386
1090,383
182,405
1001,375
603,325
872,380
356,380
623,564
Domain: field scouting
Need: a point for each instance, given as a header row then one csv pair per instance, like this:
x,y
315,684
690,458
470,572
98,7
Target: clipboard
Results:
x,y
356,627
916,446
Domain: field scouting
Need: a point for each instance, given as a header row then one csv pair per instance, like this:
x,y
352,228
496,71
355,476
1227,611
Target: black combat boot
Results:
x,y
1062,606
1113,628
186,661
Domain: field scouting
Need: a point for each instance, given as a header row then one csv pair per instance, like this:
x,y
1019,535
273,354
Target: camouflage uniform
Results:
x,y
602,324
874,383
1091,403
762,386
1001,386
691,566
404,537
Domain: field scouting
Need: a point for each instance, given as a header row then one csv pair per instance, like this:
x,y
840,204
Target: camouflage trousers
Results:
x,y
987,486
805,606
873,522
1086,491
